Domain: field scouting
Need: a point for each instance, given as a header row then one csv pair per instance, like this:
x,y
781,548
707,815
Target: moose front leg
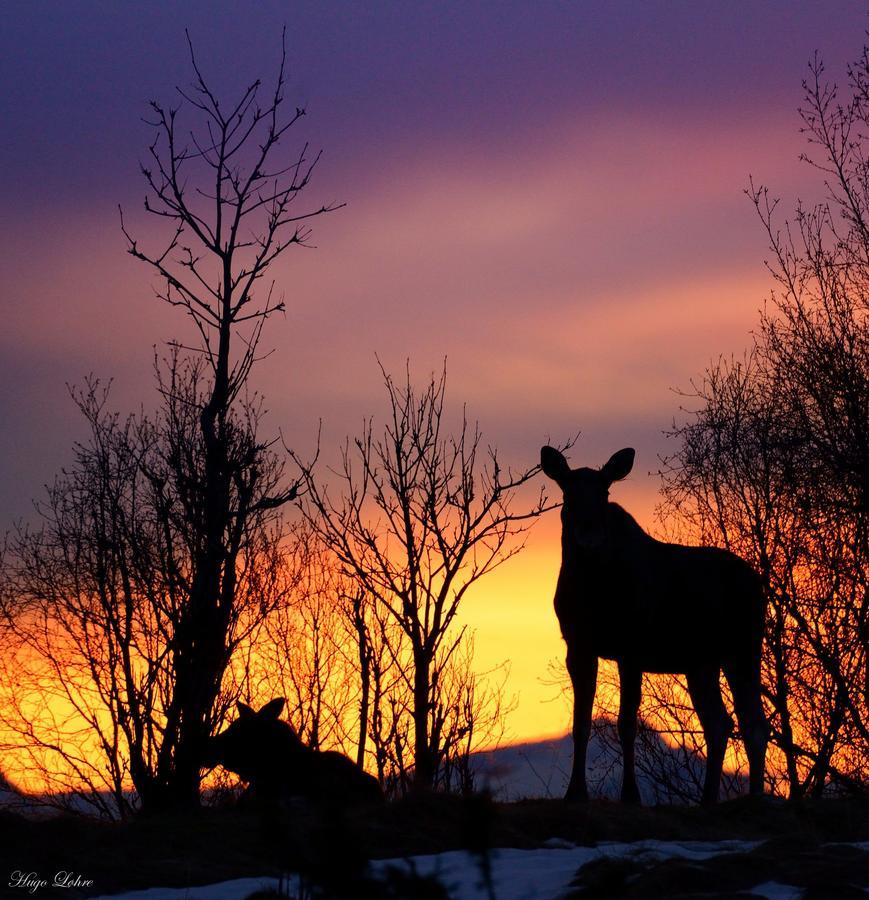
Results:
x,y
583,676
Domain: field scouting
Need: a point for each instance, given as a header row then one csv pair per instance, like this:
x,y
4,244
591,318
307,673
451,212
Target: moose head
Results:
x,y
256,746
586,494
267,753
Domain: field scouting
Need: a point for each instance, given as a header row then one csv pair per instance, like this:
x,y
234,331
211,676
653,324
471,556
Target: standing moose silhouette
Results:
x,y
653,607
266,752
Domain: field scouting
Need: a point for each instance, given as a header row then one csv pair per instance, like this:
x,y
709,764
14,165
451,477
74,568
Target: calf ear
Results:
x,y
245,711
618,465
554,465
273,709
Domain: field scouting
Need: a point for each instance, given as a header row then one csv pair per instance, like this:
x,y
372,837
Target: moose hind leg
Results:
x,y
744,681
630,690
583,677
717,725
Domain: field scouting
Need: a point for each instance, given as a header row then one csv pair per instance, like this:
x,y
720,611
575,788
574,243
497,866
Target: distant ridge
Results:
x,y
541,769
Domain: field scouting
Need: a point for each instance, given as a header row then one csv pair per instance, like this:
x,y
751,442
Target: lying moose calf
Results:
x,y
266,752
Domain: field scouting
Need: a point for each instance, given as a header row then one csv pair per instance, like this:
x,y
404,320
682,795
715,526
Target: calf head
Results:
x,y
586,494
257,746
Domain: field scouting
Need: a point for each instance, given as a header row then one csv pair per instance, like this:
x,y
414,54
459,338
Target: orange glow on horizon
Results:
x,y
510,612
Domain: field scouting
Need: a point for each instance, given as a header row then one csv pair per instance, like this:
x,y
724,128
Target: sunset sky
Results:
x,y
549,195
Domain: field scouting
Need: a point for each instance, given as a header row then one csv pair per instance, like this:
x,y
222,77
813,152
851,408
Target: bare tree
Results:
x,y
774,459
164,534
99,592
382,696
301,653
469,710
329,650
239,220
421,517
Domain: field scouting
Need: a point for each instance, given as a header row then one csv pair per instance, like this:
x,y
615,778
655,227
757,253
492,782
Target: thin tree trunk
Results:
x,y
365,678
423,771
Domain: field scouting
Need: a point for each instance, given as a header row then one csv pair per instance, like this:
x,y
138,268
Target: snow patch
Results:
x,y
541,874
237,889
772,890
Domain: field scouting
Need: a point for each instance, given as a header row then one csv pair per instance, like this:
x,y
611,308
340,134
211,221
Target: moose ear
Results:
x,y
273,709
554,464
244,711
619,464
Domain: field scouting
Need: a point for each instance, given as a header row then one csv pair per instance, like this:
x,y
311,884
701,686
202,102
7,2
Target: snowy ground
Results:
x,y
540,769
518,874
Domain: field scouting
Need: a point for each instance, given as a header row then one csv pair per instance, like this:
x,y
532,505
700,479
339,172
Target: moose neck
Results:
x,y
622,536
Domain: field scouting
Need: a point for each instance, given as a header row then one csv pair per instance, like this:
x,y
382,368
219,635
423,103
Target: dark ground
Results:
x,y
216,845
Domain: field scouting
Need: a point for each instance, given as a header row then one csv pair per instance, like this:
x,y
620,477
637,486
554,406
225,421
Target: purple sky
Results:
x,y
549,194
545,155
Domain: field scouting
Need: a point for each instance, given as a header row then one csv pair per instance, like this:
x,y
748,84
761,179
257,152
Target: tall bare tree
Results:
x,y
180,511
422,516
774,460
238,220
